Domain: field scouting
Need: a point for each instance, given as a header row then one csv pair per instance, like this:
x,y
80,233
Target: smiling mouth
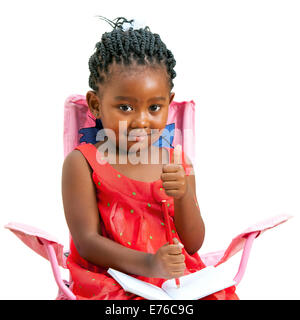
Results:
x,y
134,133
132,136
138,137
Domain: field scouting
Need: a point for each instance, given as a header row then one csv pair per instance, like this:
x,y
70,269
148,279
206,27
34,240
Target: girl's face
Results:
x,y
133,103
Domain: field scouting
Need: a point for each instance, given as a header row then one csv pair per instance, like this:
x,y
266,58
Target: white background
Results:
x,y
238,60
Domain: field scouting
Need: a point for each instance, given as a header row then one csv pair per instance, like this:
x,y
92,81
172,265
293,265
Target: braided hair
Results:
x,y
125,47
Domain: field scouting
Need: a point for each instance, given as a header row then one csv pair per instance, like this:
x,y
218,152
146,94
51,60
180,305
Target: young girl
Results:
x,y
114,205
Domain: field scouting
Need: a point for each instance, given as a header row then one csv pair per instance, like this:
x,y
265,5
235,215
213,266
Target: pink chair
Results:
x,y
79,127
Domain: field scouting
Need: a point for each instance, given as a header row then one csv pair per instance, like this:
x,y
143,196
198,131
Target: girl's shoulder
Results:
x,y
76,162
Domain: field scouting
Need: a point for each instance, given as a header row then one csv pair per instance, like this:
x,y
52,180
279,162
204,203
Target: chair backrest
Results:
x,y
80,126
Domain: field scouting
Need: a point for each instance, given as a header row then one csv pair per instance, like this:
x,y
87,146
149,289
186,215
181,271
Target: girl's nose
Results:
x,y
140,121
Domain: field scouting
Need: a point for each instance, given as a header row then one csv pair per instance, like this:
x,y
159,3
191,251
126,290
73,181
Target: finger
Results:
x,y
176,259
177,154
177,274
169,176
171,168
171,185
173,193
174,249
177,268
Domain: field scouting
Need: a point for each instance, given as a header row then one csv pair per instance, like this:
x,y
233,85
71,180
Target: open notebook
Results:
x,y
192,286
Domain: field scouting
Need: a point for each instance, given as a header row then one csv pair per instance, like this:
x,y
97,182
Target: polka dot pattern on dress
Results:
x,y
131,214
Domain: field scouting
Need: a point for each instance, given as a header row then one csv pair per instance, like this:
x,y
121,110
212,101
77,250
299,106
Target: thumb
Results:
x,y
178,154
176,241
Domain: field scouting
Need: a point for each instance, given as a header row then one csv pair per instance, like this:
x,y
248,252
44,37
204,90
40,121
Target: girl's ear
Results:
x,y
93,103
172,95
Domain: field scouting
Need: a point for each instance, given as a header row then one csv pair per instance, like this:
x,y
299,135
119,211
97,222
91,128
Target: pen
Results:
x,y
169,232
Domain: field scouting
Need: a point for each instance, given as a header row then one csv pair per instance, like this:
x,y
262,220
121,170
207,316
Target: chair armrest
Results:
x,y
55,269
245,256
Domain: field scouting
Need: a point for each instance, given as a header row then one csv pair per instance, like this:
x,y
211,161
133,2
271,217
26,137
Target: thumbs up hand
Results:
x,y
173,176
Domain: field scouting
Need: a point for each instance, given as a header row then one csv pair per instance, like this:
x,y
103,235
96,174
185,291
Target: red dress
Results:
x,y
131,214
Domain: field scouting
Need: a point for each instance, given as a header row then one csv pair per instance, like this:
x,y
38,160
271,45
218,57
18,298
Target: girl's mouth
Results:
x,y
141,138
138,136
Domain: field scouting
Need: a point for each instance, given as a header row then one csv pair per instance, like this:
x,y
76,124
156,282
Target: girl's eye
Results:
x,y
125,107
155,107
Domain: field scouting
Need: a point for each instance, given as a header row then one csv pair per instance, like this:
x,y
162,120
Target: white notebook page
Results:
x,y
199,284
138,287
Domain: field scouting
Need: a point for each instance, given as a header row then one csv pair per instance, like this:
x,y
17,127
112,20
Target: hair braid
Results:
x,y
143,44
140,45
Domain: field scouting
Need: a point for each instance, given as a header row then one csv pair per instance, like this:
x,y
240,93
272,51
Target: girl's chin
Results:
x,y
133,146
136,146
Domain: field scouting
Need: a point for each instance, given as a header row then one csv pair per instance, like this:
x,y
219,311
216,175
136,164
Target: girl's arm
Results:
x,y
83,219
187,216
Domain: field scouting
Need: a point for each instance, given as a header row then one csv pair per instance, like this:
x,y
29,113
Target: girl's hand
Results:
x,y
168,261
173,176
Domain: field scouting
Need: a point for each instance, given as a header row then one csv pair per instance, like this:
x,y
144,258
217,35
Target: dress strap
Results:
x,y
90,153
